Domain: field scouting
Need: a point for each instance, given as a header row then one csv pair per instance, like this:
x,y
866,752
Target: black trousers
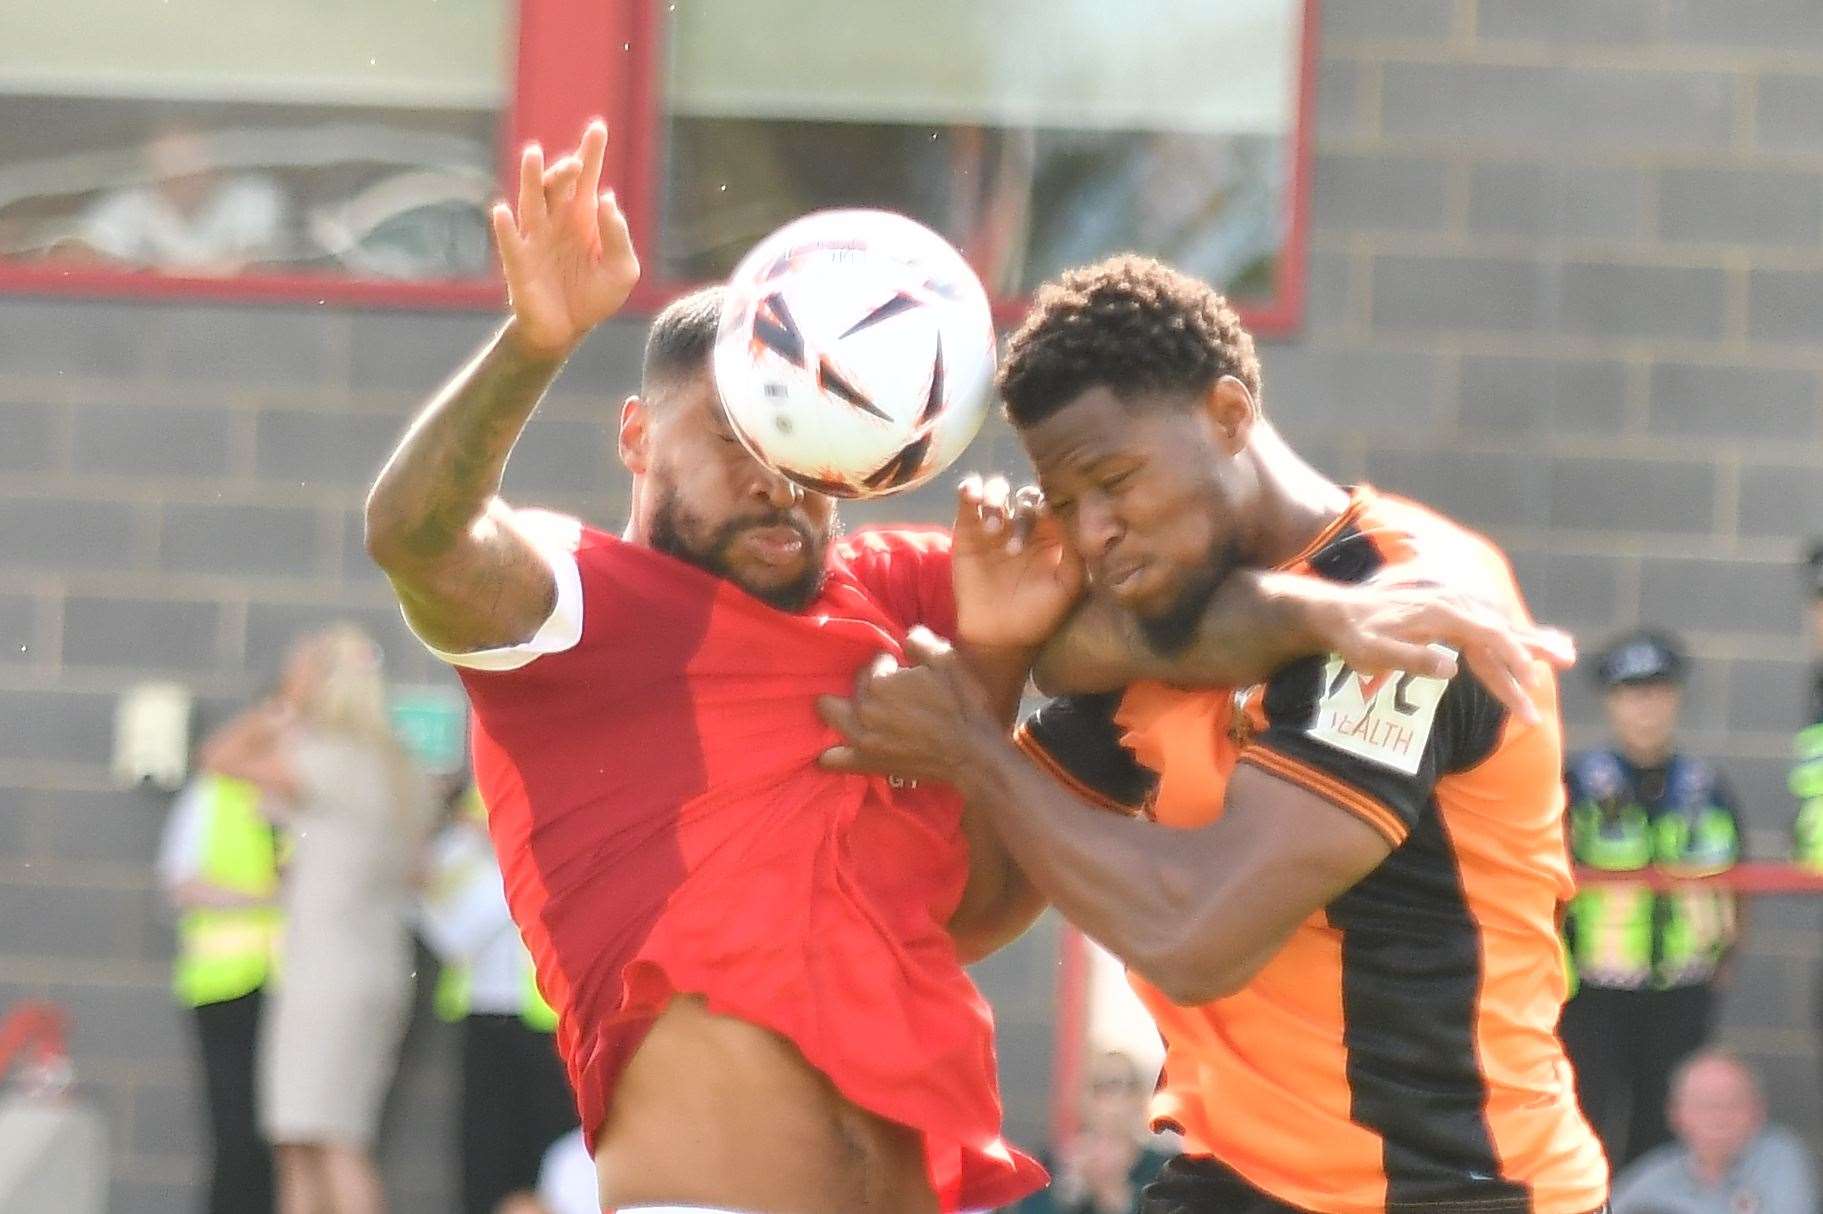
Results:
x,y
515,1104
240,1176
1624,1046
1192,1185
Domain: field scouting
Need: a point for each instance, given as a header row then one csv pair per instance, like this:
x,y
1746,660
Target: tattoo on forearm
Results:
x,y
447,468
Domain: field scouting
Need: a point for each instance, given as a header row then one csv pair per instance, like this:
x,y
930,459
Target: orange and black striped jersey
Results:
x,y
1400,1052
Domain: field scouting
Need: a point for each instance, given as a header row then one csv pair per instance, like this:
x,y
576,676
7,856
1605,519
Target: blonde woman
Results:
x,y
357,811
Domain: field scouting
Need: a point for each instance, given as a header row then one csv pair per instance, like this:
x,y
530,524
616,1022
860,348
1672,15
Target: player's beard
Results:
x,y
1168,632
669,535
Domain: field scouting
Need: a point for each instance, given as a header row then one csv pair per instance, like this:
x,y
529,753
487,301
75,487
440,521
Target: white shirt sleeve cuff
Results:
x,y
555,537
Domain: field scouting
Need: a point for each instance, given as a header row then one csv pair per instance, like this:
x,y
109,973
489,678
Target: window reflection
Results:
x,y
208,138
1035,135
393,196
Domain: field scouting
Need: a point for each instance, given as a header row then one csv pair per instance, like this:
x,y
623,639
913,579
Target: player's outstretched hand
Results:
x,y
1414,627
565,248
1015,576
920,722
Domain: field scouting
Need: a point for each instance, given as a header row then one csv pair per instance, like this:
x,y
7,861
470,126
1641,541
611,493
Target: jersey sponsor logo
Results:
x,y
1383,718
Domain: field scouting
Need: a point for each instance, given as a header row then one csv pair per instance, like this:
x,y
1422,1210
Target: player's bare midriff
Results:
x,y
714,1111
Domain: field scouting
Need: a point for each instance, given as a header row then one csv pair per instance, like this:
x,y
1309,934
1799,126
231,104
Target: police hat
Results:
x,y
1640,657
1813,568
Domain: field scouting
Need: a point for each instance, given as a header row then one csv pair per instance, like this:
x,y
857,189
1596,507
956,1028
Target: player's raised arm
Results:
x,y
1260,620
467,577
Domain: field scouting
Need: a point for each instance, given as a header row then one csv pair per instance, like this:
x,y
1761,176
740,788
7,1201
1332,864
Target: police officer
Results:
x,y
1807,750
1645,963
218,867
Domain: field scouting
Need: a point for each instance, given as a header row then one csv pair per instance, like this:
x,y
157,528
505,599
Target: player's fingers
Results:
x,y
840,715
1384,653
1553,645
927,647
846,758
1027,515
1465,624
616,240
883,664
531,189
1501,643
997,491
995,495
590,156
506,236
564,168
560,184
1498,678
968,510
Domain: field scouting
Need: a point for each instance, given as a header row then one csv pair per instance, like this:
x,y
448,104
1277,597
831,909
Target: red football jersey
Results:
x,y
663,827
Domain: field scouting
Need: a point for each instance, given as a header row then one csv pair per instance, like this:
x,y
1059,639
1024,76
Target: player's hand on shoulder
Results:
x,y
1015,575
1422,628
564,247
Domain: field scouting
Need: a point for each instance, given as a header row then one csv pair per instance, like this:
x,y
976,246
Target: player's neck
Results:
x,y
638,529
1297,503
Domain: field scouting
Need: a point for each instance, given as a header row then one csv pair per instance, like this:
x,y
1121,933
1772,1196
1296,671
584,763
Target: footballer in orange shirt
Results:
x,y
1336,887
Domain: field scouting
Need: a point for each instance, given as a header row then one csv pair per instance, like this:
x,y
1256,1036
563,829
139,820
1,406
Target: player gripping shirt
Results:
x,y
1403,1035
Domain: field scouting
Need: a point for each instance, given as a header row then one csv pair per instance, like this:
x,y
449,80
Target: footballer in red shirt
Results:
x,y
757,964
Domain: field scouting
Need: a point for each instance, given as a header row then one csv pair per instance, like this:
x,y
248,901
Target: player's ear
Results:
x,y
1232,411
635,435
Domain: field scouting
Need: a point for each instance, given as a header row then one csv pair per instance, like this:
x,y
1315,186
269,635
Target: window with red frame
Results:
x,y
287,148
1035,134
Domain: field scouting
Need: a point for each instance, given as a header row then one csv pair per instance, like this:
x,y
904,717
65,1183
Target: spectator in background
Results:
x,y
515,1101
1727,1159
1807,750
217,865
1806,779
188,217
1114,1153
1646,963
324,757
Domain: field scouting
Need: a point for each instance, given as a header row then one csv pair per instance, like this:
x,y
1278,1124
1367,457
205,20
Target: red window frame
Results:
x,y
578,59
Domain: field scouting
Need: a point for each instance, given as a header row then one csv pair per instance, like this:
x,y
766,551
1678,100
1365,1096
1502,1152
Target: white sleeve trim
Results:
x,y
555,537
180,850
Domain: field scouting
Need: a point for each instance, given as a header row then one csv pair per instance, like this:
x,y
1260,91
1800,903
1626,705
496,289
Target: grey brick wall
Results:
x,y
1565,283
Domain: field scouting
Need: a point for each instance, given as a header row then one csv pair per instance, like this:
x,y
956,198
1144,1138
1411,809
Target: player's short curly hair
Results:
x,y
1130,324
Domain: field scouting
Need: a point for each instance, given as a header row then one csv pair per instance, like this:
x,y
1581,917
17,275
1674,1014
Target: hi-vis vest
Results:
x,y
226,952
1626,936
1806,785
452,999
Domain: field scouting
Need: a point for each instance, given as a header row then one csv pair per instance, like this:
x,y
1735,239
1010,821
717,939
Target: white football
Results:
x,y
856,353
